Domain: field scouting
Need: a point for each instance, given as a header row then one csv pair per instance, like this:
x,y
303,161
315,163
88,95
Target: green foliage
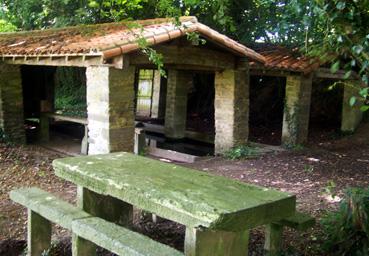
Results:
x,y
5,139
345,39
70,92
6,26
242,152
347,230
330,189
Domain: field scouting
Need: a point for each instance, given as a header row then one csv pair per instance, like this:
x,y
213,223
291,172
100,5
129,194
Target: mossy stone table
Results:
x,y
217,212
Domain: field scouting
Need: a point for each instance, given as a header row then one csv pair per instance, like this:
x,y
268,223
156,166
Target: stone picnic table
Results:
x,y
217,212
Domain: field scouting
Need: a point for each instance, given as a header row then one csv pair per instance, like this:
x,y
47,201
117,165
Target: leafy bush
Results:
x,y
241,151
70,91
346,231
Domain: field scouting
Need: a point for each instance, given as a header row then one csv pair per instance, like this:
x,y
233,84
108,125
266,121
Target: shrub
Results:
x,y
241,151
346,231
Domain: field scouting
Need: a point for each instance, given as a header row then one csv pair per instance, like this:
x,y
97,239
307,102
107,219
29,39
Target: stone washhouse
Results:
x,y
300,74
111,55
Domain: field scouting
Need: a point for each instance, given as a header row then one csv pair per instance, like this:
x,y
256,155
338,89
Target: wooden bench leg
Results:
x,y
203,242
273,239
39,234
106,207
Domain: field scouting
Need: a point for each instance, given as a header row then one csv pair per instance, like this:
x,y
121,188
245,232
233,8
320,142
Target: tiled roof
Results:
x,y
282,58
111,39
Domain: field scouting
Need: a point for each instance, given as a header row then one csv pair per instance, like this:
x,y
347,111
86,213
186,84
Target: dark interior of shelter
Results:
x,y
267,97
52,90
200,104
325,110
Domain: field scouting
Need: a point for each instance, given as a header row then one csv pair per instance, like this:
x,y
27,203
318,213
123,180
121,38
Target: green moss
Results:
x,y
187,196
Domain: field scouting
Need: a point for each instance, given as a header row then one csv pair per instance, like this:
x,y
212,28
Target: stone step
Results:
x,y
120,240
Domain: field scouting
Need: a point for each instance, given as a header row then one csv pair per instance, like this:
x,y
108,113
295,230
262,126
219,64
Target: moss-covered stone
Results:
x,y
39,234
299,221
11,104
47,206
178,85
231,107
120,240
187,196
351,115
203,242
297,110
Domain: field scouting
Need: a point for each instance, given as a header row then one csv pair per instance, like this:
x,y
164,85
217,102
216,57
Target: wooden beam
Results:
x,y
71,60
187,56
325,73
262,71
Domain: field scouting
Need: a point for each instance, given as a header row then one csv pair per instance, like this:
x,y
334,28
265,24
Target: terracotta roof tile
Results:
x,y
112,39
282,58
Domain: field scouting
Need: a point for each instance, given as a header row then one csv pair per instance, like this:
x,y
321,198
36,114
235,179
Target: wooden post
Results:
x,y
38,235
203,242
273,239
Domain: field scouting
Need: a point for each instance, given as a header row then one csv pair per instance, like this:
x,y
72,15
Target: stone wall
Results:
x,y
176,103
297,110
231,108
11,103
110,100
351,115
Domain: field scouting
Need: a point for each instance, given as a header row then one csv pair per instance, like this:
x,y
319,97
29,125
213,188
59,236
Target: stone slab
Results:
x,y
48,206
299,221
172,155
187,196
120,240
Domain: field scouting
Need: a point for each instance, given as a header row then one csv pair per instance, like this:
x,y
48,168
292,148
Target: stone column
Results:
x,y
231,108
176,103
11,103
297,110
351,115
203,242
155,95
106,207
110,97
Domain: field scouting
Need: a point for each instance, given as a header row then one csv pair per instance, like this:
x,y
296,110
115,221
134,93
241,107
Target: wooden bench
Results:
x,y
274,231
45,126
44,208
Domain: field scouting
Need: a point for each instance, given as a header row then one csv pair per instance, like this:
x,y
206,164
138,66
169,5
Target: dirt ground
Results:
x,y
324,168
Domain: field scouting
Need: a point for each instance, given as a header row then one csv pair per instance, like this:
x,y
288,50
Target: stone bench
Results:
x,y
273,235
44,127
44,208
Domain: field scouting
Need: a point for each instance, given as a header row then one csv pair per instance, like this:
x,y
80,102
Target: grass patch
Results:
x,y
242,152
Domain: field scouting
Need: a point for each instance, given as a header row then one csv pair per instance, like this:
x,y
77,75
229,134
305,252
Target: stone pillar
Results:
x,y
351,115
105,207
176,103
155,103
273,239
38,234
297,110
231,108
203,242
11,103
110,98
